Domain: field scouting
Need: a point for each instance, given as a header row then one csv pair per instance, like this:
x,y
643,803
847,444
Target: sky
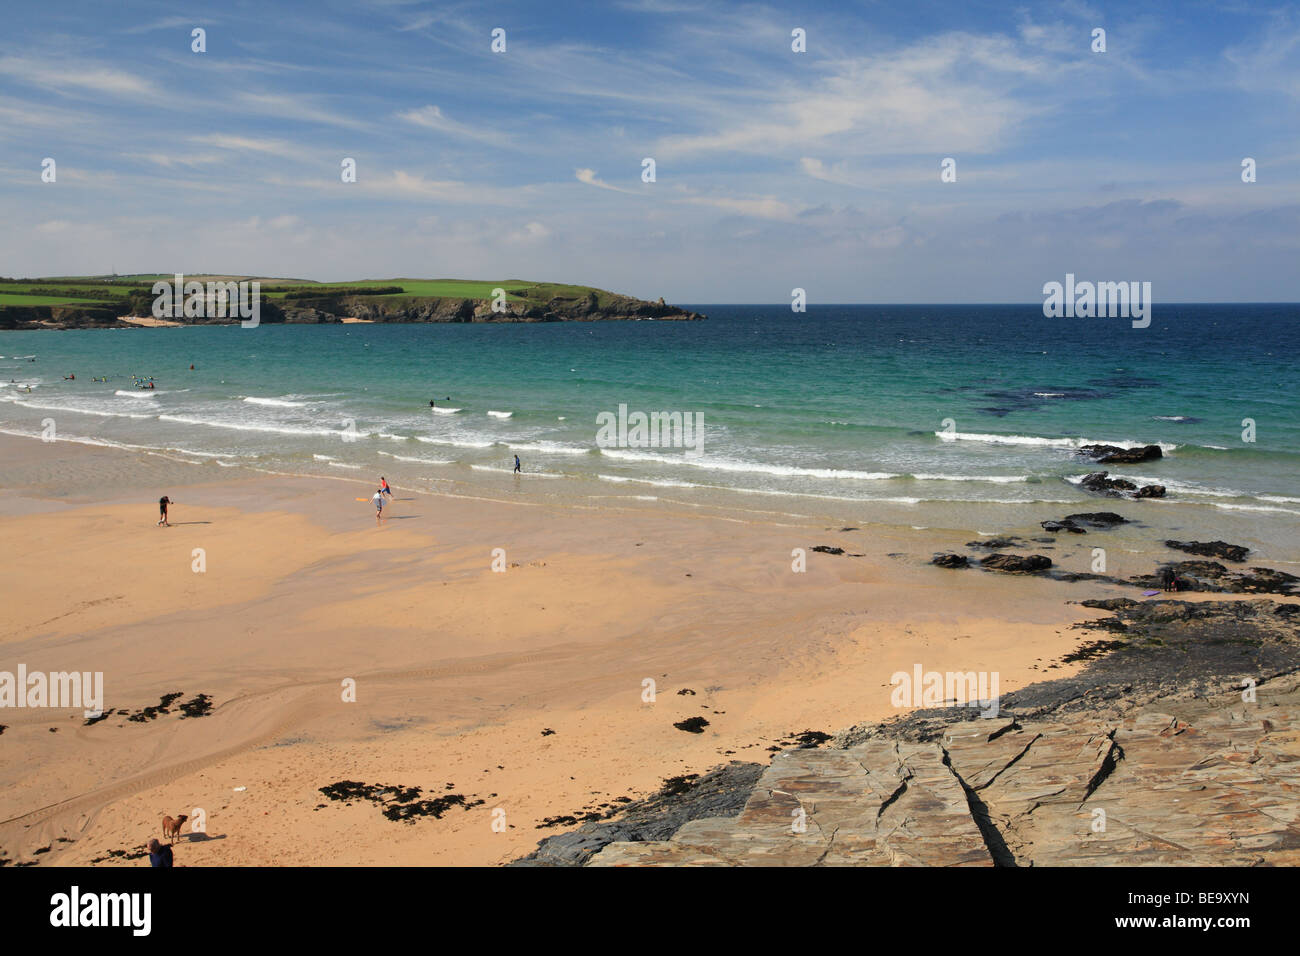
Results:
x,y
774,169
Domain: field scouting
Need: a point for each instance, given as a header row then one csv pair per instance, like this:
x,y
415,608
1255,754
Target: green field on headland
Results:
x,y
100,301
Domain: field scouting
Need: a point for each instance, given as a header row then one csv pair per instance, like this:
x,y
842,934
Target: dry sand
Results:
x,y
460,670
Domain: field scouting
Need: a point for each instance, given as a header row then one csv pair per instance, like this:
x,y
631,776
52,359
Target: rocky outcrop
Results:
x,y
1079,523
1177,745
996,544
1017,563
1099,483
721,793
1114,455
1213,576
950,560
1211,549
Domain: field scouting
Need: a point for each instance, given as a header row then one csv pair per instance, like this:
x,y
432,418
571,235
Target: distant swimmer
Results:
x,y
516,464
383,486
163,504
191,366
70,378
378,499
431,405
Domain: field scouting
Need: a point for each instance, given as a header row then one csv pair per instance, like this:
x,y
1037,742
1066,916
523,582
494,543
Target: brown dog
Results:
x,y
172,827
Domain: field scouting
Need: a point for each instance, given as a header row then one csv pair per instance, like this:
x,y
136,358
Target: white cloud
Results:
x,y
432,117
589,177
99,79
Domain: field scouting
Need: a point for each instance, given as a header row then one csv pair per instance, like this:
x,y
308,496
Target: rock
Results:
x,y
996,544
1213,576
1150,491
1074,523
1211,549
1098,483
1153,731
827,549
1114,455
1097,519
950,560
1017,563
720,793
692,725
1057,526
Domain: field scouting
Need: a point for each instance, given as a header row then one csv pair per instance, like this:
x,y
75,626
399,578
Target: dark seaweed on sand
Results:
x,y
401,804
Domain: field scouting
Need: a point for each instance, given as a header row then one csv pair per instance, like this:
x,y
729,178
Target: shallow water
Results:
x,y
962,417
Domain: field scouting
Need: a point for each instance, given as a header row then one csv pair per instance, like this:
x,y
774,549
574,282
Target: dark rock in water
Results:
x,y
1093,519
1097,519
1066,525
950,560
996,544
1211,549
692,725
1099,483
1017,563
1114,455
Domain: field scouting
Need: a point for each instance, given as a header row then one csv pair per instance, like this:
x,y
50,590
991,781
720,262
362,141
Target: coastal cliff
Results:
x,y
98,304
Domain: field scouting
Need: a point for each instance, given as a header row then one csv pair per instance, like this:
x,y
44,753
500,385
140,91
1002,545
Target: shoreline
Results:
x,y
302,590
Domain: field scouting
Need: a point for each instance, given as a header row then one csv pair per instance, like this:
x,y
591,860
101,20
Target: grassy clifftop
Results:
x,y
100,301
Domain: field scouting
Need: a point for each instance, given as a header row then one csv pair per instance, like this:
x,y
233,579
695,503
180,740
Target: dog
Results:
x,y
172,827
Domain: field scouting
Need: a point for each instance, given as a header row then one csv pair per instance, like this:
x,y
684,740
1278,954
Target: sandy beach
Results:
x,y
518,691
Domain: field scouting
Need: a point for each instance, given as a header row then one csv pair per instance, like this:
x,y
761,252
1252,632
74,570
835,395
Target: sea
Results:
x,y
961,417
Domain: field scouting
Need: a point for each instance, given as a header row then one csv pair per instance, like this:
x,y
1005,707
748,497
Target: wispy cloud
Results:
x,y
432,117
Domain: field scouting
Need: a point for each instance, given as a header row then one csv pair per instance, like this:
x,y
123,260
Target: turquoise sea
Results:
x,y
838,412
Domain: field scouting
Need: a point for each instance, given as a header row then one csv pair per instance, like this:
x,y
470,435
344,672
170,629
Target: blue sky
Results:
x,y
774,169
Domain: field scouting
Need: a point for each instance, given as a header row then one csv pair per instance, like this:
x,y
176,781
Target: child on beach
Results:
x,y
383,486
163,502
378,499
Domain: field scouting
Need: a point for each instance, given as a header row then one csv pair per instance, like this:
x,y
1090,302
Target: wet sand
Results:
x,y
515,695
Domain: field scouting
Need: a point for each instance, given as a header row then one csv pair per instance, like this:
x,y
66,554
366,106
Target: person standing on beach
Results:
x,y
516,464
160,855
163,503
378,499
383,486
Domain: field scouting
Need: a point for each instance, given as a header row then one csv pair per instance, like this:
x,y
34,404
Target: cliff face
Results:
x,y
329,308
